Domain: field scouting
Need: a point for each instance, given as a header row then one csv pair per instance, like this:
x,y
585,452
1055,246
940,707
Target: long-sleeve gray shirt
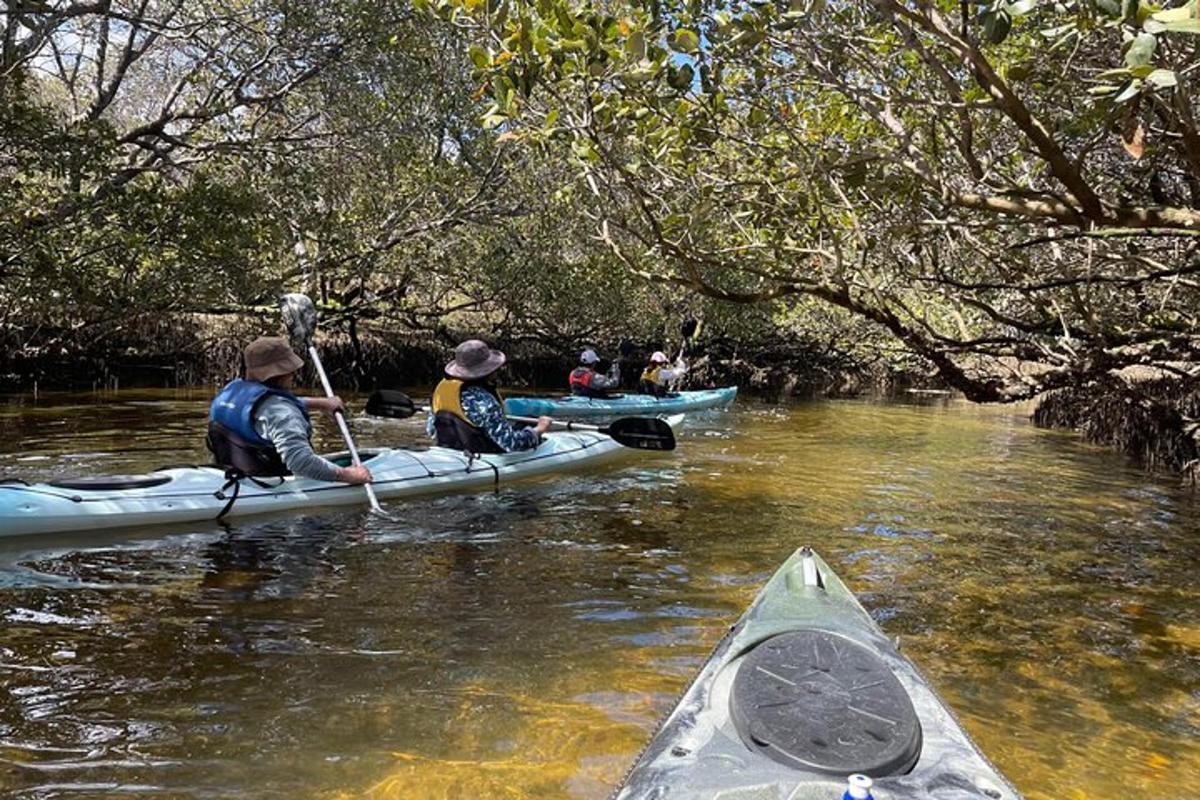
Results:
x,y
282,424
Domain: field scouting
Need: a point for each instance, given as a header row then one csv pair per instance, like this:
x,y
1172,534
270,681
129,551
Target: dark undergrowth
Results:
x,y
1154,421
193,350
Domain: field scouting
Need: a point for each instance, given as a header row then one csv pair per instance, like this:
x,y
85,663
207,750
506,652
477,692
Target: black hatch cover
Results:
x,y
112,482
821,702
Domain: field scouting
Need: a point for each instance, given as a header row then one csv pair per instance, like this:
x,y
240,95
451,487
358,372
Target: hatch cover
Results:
x,y
819,701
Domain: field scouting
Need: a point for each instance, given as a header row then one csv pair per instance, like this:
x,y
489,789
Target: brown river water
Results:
x,y
523,643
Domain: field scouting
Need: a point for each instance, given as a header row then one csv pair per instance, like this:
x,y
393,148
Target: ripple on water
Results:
x,y
523,643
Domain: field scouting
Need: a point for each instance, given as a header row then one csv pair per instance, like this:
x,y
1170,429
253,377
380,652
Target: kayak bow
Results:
x,y
644,404
195,494
803,693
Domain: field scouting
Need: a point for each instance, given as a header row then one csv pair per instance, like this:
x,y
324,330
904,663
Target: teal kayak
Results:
x,y
623,405
806,699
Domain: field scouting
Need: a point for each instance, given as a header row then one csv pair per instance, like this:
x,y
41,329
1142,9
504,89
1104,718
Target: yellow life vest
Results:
x,y
650,374
447,396
450,423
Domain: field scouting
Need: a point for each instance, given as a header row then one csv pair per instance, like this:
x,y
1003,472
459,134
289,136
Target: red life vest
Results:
x,y
580,381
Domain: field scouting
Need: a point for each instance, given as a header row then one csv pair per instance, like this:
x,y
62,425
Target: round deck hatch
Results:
x,y
818,701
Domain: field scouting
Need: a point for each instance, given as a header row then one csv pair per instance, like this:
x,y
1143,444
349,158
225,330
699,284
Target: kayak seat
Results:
x,y
111,482
821,702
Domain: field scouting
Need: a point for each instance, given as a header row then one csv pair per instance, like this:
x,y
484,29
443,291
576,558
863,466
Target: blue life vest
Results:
x,y
231,434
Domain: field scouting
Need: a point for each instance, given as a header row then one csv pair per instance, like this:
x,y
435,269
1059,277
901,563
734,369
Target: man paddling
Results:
x,y
257,425
657,376
467,412
585,381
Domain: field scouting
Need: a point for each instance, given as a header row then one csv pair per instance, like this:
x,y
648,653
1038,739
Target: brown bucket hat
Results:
x,y
474,359
269,357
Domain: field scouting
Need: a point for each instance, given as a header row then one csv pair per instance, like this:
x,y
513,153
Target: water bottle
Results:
x,y
858,787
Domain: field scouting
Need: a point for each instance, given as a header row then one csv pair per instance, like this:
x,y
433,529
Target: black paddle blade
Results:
x,y
690,326
626,348
642,433
391,403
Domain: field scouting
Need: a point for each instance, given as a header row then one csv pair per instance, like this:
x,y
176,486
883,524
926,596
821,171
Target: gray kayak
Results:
x,y
806,699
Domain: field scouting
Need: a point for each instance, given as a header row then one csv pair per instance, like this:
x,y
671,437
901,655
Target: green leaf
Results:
x,y
680,78
1141,50
1184,26
643,72
686,41
480,57
996,26
1153,26
635,46
1163,78
1181,14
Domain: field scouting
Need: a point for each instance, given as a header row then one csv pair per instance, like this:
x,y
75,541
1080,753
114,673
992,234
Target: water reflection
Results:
x,y
523,643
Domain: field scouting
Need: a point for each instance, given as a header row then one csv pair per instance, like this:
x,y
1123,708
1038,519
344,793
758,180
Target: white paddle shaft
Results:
x,y
341,421
558,424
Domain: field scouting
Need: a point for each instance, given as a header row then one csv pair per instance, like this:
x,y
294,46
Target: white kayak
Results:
x,y
195,494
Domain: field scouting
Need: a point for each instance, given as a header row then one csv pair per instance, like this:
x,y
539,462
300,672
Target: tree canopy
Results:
x,y
1009,188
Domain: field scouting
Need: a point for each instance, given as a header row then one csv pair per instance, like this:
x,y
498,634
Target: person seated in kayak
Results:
x,y
467,413
257,425
585,381
657,375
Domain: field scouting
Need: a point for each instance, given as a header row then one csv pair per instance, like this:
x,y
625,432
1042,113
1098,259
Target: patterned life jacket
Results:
x,y
231,435
450,423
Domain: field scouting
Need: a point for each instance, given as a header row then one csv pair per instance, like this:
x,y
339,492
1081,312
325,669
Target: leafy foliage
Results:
x,y
1009,188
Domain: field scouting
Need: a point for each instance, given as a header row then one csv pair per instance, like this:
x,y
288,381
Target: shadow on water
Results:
x,y
523,643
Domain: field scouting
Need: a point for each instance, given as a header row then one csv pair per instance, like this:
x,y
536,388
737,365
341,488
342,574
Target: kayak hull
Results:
x,y
702,751
195,494
626,405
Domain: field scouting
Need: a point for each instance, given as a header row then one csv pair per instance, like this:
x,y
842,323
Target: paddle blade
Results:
x,y
642,433
391,403
689,329
299,317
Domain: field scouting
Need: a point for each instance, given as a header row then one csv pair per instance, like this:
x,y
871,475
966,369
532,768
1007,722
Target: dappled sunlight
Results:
x,y
523,644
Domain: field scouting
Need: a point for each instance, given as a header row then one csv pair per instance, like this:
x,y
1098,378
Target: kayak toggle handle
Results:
x,y
858,787
811,575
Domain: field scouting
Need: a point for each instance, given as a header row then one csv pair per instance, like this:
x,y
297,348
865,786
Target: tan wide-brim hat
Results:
x,y
269,357
474,359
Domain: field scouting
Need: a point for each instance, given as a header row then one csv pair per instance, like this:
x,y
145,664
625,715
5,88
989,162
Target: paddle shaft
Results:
x,y
341,421
559,424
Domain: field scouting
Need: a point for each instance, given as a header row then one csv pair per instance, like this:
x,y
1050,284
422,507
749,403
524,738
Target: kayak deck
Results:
x,y
190,494
627,404
804,691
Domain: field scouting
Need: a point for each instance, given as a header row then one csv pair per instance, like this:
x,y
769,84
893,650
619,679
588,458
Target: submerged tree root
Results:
x,y
1154,421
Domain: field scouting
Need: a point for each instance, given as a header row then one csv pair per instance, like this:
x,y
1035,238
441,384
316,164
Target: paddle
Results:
x,y
687,333
640,433
300,317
